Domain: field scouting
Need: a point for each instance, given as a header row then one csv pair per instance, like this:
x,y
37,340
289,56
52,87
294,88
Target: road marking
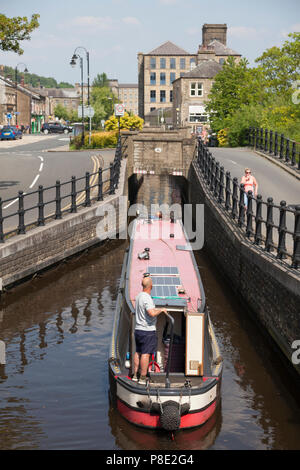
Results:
x,y
12,202
235,163
34,181
41,166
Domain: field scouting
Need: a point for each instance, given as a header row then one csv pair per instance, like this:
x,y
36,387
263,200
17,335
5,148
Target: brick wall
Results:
x,y
270,291
23,255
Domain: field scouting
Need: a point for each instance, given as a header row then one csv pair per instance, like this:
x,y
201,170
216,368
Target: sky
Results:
x,y
114,31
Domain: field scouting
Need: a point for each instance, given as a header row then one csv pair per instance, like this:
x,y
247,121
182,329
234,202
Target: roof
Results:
x,y
62,92
128,85
221,49
168,48
206,69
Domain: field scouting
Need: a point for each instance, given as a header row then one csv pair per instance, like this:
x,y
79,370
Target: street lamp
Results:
x,y
16,85
73,63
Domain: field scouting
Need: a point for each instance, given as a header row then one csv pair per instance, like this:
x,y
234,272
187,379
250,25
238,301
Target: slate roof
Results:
x,y
206,69
168,48
220,49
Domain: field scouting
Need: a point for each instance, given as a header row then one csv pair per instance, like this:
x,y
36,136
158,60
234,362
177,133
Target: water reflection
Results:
x,y
54,387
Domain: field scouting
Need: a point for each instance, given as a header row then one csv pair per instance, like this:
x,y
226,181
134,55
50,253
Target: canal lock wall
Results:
x,y
22,256
269,290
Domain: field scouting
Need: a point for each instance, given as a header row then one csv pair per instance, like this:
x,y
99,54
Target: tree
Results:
x,y
101,80
14,30
281,66
235,85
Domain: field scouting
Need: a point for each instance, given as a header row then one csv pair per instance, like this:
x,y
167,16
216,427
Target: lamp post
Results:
x,y
73,63
16,84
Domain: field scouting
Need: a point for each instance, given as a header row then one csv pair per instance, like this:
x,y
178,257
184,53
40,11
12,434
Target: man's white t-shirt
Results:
x,y
143,321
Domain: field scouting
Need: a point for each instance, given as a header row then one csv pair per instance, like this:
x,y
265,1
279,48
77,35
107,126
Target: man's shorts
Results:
x,y
145,341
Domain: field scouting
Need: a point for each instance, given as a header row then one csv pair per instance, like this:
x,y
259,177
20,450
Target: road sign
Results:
x,y
9,116
119,109
87,110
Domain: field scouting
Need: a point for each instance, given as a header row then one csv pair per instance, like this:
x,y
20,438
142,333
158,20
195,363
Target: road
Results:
x,y
273,181
42,160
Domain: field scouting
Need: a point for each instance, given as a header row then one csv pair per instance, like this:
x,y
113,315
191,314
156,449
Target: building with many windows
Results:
x,y
159,69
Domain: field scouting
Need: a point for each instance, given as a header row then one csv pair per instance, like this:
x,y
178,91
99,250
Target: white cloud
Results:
x,y
131,20
292,29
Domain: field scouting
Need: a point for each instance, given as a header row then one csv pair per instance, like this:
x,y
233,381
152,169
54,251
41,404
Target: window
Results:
x,y
197,114
162,63
152,78
196,89
152,96
152,63
162,96
182,63
162,78
172,63
172,77
152,109
171,96
192,63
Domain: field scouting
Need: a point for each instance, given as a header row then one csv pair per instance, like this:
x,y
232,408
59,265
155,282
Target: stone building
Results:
x,y
161,67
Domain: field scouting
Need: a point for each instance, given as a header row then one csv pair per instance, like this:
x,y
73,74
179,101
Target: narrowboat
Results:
x,y
183,385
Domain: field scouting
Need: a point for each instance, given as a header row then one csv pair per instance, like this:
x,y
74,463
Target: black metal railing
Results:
x,y
276,145
275,228
54,201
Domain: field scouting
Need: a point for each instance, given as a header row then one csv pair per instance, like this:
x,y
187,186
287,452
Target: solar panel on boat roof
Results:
x,y
163,270
164,291
166,281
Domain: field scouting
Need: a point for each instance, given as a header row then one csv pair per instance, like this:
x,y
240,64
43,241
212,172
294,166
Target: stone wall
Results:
x,y
158,151
24,255
270,290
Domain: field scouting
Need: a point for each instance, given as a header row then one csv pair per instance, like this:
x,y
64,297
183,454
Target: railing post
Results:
x,y
276,144
266,140
258,220
227,191
221,186
281,248
296,236
41,205
249,229
212,174
256,138
21,212
241,219
269,225
294,154
73,195
100,185
234,211
216,179
87,202
111,182
271,142
287,151
261,140
1,223
281,146
58,200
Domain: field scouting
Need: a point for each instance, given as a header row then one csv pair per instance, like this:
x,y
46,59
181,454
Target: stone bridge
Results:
x,y
158,152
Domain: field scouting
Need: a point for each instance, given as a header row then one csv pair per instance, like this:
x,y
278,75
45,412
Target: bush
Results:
x,y
223,137
98,140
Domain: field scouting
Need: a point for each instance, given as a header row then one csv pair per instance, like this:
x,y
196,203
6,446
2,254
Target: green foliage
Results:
x,y
34,80
128,121
98,140
101,80
241,96
14,30
102,101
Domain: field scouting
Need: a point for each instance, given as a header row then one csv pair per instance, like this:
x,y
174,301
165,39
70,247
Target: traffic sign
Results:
x,y
119,109
88,111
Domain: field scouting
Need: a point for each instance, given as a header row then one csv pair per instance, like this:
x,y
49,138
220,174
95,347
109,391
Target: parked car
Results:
x,y
55,127
10,132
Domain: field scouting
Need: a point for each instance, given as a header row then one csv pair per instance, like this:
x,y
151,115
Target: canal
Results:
x,y
54,391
